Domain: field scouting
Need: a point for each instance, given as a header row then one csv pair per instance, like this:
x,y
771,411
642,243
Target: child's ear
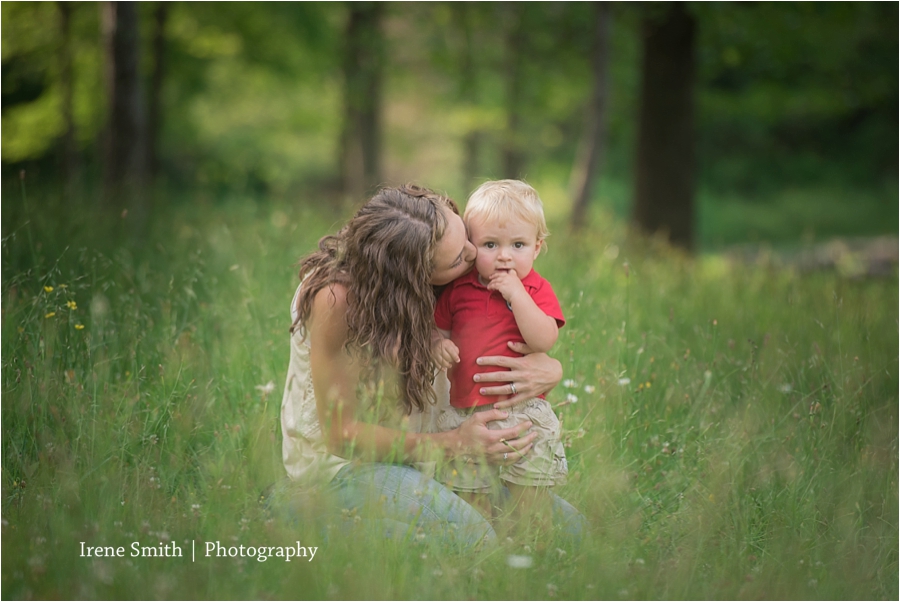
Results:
x,y
538,247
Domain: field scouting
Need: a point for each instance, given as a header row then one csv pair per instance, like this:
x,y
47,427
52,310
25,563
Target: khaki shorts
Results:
x,y
543,466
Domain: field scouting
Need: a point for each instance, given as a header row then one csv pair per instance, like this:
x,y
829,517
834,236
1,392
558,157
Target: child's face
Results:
x,y
509,246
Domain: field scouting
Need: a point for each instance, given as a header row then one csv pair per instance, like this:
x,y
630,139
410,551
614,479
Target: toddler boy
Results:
x,y
503,299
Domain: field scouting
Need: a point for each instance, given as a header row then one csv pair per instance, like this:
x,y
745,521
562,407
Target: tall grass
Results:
x,y
731,429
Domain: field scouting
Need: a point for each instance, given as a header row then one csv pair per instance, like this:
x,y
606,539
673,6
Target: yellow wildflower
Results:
x,y
71,305
79,327
48,289
50,315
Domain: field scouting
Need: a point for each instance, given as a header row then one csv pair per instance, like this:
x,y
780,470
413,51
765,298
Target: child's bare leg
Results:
x,y
530,512
479,501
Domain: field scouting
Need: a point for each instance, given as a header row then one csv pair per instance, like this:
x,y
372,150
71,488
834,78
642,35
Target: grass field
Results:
x,y
734,434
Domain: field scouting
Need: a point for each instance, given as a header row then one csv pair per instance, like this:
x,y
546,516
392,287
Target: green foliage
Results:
x,y
799,92
734,433
32,91
794,217
258,91
788,95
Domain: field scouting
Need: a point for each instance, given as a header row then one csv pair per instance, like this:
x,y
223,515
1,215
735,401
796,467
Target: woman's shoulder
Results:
x,y
328,315
331,297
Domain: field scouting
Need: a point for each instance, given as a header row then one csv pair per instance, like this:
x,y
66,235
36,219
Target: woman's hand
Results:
x,y
501,446
528,376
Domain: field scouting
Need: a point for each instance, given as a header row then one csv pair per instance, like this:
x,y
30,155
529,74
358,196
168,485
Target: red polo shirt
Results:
x,y
481,323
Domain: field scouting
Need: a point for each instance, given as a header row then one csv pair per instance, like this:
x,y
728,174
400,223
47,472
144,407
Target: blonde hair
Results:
x,y
501,200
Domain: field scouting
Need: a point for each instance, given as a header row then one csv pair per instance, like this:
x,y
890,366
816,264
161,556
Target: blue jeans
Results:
x,y
403,502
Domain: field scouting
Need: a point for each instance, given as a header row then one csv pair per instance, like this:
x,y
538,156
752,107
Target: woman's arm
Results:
x,y
532,374
335,375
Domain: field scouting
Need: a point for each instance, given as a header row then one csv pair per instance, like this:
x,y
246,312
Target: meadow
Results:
x,y
731,427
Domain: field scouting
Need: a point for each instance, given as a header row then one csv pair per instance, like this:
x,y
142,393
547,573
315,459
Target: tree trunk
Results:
x,y
125,152
665,163
361,138
468,92
593,145
154,114
69,150
512,149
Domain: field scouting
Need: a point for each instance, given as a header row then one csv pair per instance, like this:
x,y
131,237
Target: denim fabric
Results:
x,y
406,503
403,503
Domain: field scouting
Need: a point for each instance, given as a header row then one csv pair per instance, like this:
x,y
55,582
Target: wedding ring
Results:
x,y
512,387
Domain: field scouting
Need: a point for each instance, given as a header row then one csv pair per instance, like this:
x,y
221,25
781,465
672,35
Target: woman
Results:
x,y
364,313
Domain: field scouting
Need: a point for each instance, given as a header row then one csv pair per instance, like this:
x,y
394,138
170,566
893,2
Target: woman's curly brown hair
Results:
x,y
384,256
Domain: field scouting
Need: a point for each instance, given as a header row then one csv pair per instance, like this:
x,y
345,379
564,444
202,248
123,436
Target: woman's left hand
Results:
x,y
528,376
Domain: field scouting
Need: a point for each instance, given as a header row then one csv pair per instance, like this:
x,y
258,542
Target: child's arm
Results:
x,y
444,351
538,329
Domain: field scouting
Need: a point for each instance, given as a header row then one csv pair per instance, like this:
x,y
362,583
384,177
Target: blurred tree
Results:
x,y
360,150
468,91
588,161
125,163
665,164
69,149
154,115
252,98
513,159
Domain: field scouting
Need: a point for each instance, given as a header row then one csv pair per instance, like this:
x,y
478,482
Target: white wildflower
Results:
x,y
517,561
569,383
589,389
786,388
572,398
266,389
624,382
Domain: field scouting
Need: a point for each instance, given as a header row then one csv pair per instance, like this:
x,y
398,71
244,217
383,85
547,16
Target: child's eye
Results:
x,y
489,245
519,245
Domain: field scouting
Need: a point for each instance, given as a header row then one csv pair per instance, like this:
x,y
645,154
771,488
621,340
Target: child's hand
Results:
x,y
446,354
507,282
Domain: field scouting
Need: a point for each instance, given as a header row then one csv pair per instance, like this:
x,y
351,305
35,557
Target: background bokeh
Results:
x,y
729,402
795,105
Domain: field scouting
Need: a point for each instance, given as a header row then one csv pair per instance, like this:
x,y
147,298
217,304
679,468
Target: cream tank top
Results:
x,y
305,456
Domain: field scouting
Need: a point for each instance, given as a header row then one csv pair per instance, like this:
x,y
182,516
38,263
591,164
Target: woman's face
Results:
x,y
454,254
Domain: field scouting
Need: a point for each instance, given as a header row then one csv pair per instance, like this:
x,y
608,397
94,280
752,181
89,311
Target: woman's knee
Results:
x,y
403,495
